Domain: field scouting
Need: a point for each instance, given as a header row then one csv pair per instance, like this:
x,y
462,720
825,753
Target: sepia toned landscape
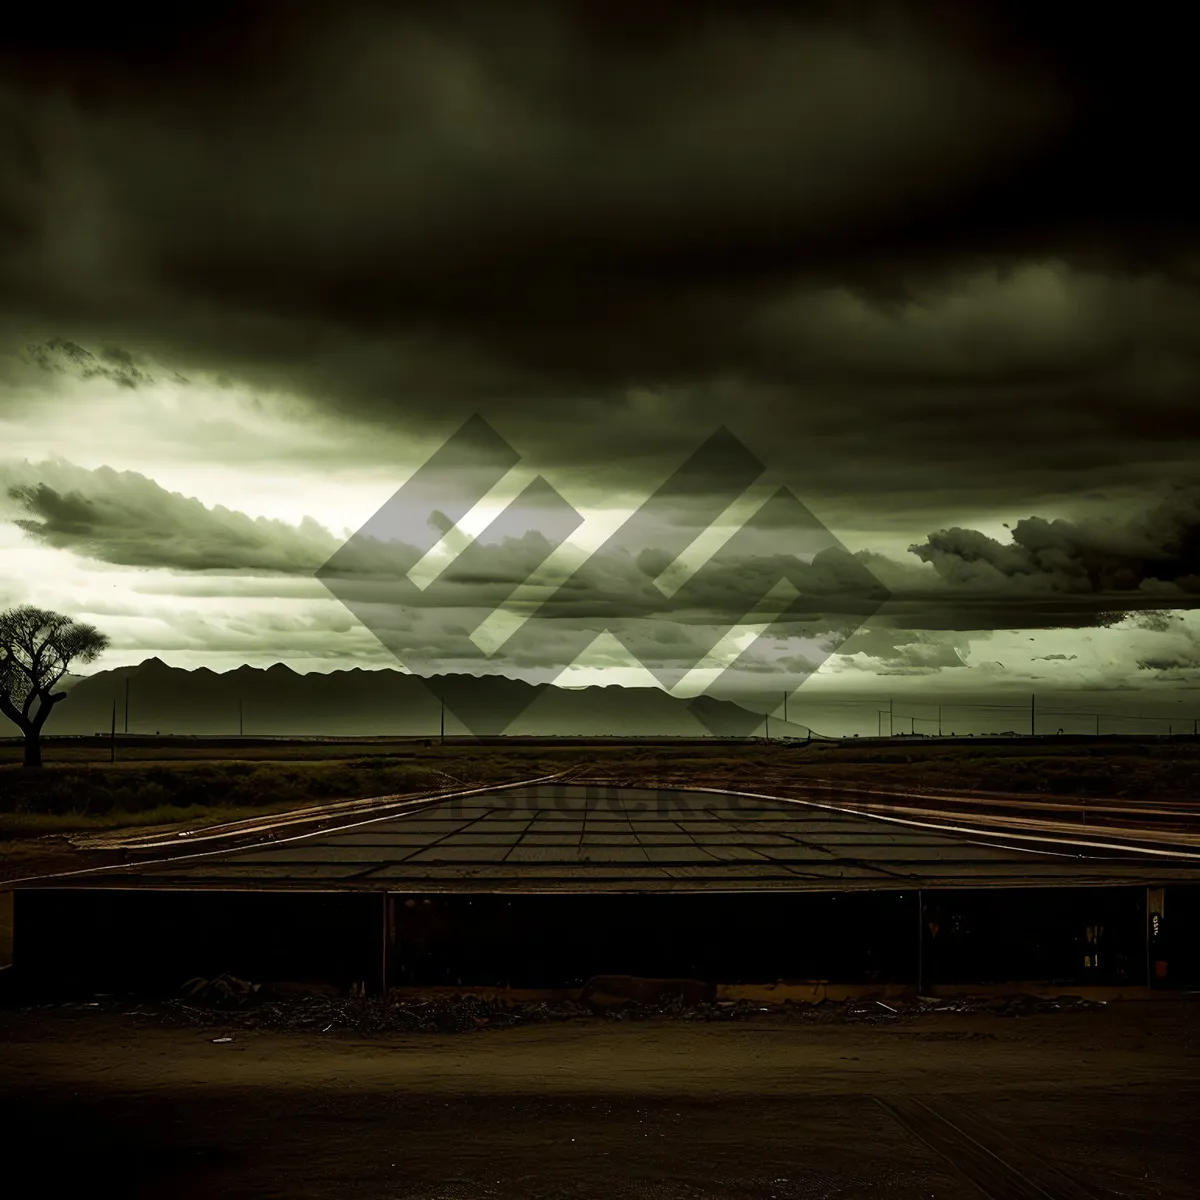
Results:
x,y
599,599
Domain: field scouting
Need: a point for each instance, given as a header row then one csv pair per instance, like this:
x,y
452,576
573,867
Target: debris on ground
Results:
x,y
225,991
226,1002
604,993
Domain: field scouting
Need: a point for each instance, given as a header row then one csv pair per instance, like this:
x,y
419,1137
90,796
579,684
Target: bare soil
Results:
x,y
22,858
1101,1103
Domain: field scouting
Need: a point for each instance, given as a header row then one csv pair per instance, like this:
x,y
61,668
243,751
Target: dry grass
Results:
x,y
167,780
69,796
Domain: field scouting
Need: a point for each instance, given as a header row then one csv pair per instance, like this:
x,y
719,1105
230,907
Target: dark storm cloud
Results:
x,y
1052,574
937,252
60,357
612,589
923,598
1170,663
951,609
126,519
1156,551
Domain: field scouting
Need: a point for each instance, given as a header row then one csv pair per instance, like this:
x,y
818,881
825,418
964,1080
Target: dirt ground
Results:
x,y
1097,1103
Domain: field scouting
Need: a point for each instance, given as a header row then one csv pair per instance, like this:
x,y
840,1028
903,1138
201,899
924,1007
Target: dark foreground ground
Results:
x,y
1102,1103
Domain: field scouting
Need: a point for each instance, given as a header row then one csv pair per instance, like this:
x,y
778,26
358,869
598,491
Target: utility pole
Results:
x,y
112,737
879,722
768,716
1097,724
443,734
127,704
785,720
891,727
1033,716
939,720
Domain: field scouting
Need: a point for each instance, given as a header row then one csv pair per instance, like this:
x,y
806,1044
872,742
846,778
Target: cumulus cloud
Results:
x,y
1051,573
127,519
1160,547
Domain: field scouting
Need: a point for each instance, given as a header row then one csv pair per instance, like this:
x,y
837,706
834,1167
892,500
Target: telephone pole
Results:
x,y
112,737
1033,716
939,720
891,724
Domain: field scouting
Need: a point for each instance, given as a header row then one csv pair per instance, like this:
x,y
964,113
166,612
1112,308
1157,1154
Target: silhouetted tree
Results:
x,y
37,647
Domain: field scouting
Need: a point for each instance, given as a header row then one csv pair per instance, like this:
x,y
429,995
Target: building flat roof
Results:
x,y
575,838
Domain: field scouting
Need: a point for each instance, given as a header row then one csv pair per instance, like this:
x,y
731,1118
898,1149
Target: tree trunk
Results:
x,y
33,748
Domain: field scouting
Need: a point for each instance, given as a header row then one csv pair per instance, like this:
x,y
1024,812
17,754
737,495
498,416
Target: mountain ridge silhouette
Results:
x,y
279,701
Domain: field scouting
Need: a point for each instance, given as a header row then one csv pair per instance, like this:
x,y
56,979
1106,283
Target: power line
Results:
x,y
1035,710
1041,711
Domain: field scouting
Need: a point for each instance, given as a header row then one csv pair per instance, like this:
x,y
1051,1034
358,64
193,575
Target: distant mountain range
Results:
x,y
279,701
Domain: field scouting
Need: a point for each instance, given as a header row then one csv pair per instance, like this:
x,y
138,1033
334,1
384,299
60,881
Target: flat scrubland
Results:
x,y
161,781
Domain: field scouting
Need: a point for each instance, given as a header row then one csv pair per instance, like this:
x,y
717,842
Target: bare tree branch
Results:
x,y
37,647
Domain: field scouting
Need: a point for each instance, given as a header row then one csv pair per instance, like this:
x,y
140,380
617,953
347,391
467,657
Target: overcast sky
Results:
x,y
937,270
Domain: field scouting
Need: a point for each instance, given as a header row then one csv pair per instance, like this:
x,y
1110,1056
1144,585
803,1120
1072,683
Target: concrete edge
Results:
x,y
817,991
